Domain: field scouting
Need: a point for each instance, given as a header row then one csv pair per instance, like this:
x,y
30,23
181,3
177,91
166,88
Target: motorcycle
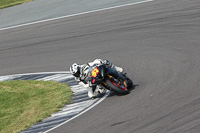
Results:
x,y
110,79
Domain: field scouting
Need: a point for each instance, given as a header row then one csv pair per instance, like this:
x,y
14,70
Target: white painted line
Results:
x,y
78,104
74,107
5,78
71,112
65,72
75,86
52,77
74,15
63,77
99,101
79,90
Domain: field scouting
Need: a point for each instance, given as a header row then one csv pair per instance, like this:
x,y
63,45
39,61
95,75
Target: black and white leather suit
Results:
x,y
85,76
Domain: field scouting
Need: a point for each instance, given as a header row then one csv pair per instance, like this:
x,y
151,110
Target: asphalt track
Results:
x,y
157,43
45,10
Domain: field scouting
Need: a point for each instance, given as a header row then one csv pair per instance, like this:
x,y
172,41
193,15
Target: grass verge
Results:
x,y
26,102
8,3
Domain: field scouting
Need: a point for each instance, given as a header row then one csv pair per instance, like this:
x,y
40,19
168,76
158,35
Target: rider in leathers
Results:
x,y
83,76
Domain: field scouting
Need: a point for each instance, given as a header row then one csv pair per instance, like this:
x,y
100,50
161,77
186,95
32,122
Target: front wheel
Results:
x,y
117,86
129,83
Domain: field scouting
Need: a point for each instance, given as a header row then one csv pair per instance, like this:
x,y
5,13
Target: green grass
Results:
x,y
24,103
8,3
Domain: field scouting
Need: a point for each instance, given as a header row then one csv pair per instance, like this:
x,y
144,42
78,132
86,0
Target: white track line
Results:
x,y
61,72
99,101
74,15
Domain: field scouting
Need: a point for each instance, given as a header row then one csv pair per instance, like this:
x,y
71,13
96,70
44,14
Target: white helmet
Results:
x,y
75,69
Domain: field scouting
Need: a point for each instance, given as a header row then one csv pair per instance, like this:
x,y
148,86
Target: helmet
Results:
x,y
75,69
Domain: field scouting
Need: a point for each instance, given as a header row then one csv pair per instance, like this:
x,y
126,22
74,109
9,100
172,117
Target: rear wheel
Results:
x,y
117,86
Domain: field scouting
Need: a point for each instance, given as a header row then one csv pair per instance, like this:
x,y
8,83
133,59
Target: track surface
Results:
x,y
157,43
40,10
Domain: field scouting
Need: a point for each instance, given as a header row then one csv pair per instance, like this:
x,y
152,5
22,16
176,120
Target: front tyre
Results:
x,y
116,86
129,83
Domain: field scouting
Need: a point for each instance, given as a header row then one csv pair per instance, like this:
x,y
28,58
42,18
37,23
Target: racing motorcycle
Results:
x,y
110,79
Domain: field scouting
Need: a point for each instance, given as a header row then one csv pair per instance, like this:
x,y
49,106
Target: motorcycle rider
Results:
x,y
83,76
